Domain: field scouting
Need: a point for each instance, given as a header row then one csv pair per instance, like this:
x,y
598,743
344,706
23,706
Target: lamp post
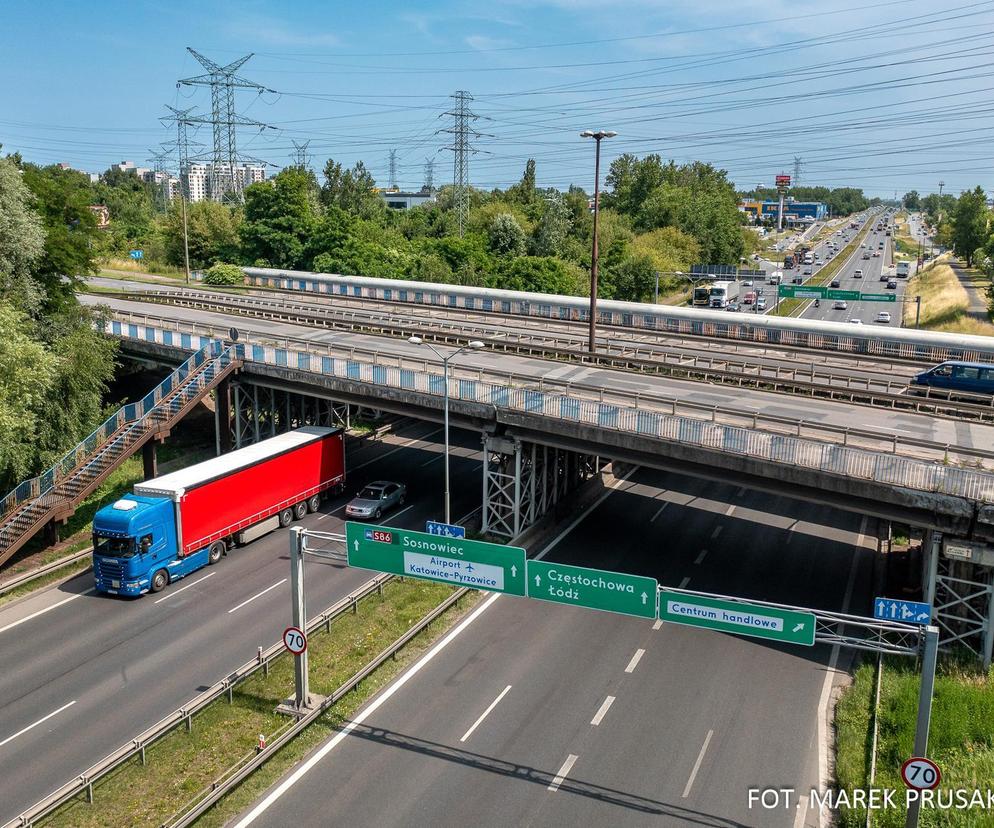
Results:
x,y
475,345
598,136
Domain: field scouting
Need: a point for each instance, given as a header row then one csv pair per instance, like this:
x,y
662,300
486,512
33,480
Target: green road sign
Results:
x,y
731,616
456,561
878,297
599,589
801,292
851,295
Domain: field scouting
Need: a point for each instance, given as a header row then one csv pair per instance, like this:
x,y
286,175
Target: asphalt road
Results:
x,y
537,714
523,368
84,673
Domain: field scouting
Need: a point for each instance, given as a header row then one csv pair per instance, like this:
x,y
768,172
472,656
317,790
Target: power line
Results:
x,y
299,156
462,132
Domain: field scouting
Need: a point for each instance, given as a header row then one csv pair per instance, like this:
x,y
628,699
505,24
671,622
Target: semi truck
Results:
x,y
722,293
175,524
903,269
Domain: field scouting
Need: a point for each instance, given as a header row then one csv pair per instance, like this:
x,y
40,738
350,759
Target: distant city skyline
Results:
x,y
888,98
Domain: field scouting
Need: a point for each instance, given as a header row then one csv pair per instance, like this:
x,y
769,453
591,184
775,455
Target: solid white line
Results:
x,y
563,772
267,589
635,661
434,459
605,706
42,719
410,442
659,511
697,764
13,624
826,689
684,582
485,713
657,624
730,509
387,693
716,532
398,514
178,591
701,557
374,705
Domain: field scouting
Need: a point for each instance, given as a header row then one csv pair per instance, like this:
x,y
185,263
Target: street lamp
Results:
x,y
474,345
597,136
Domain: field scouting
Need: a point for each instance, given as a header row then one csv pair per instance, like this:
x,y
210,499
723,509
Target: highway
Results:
x,y
620,384
537,714
84,673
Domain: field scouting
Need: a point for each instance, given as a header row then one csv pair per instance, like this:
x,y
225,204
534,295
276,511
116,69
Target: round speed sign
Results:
x,y
294,640
920,773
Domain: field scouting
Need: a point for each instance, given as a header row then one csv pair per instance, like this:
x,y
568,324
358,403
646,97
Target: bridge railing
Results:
x,y
783,449
132,412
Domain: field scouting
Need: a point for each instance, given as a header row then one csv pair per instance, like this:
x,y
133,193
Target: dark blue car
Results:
x,y
972,377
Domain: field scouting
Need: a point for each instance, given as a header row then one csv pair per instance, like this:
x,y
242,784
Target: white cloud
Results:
x,y
273,32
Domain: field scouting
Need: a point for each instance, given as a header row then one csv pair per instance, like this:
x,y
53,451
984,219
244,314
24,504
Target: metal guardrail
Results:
x,y
46,481
183,715
27,577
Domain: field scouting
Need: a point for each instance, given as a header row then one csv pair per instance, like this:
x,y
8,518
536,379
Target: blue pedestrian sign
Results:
x,y
446,530
908,612
137,254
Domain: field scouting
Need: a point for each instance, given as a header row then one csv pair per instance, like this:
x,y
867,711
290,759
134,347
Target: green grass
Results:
x,y
961,738
182,764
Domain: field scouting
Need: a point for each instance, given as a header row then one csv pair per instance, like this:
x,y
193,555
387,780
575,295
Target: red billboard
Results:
x,y
783,180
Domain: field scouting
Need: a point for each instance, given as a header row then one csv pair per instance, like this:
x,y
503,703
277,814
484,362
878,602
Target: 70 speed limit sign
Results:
x,y
295,640
920,773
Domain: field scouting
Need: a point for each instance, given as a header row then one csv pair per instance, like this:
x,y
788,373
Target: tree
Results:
x,y
354,191
224,274
553,227
539,274
22,241
634,279
212,229
505,236
524,191
281,215
970,222
911,200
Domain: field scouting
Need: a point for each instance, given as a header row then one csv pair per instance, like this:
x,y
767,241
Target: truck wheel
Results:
x,y
215,552
286,517
159,580
313,503
402,499
300,510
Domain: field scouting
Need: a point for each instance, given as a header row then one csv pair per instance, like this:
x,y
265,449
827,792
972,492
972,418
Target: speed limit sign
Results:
x,y
920,773
294,640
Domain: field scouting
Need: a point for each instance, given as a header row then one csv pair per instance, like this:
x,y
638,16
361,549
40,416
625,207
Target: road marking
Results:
x,y
433,460
826,689
259,595
42,719
684,582
410,442
701,557
485,713
697,764
635,660
563,772
716,532
178,591
659,511
388,692
602,711
729,510
13,624
657,624
741,492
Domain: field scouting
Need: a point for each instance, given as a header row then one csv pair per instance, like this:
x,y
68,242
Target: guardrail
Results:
x,y
628,415
137,746
27,577
809,380
46,481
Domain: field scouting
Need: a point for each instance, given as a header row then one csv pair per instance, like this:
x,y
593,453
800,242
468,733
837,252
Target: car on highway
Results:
x,y
840,304
884,277
376,498
835,283
733,307
855,321
883,316
866,254
876,254
892,284
974,377
807,271
857,273
761,303
747,283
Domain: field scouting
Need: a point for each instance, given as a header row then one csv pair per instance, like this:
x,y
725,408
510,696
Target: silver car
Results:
x,y
375,499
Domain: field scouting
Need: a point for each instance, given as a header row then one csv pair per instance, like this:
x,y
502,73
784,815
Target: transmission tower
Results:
x,y
181,117
797,171
223,180
160,178
429,185
299,154
462,133
393,170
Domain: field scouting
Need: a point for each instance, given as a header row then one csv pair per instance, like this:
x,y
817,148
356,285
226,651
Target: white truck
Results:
x,y
903,269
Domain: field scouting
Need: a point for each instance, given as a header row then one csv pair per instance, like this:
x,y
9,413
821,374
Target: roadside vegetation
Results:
x,y
224,734
961,738
944,302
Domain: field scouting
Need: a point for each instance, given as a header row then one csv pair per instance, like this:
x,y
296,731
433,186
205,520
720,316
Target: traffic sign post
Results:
x,y
457,561
580,586
908,612
136,254
734,617
302,696
445,530
920,773
930,656
295,640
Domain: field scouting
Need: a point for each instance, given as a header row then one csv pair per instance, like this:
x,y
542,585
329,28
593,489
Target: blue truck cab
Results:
x,y
134,538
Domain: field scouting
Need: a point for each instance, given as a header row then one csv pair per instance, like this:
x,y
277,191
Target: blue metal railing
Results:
x,y
133,412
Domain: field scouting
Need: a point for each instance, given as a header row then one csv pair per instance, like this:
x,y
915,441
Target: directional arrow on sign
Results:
x,y
538,581
514,571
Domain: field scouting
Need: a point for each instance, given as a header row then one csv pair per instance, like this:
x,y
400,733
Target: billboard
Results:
x,y
783,180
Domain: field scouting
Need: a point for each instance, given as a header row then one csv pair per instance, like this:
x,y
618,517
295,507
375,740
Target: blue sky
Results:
x,y
889,97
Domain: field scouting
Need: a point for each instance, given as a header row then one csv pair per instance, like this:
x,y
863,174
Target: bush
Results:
x,y
224,274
